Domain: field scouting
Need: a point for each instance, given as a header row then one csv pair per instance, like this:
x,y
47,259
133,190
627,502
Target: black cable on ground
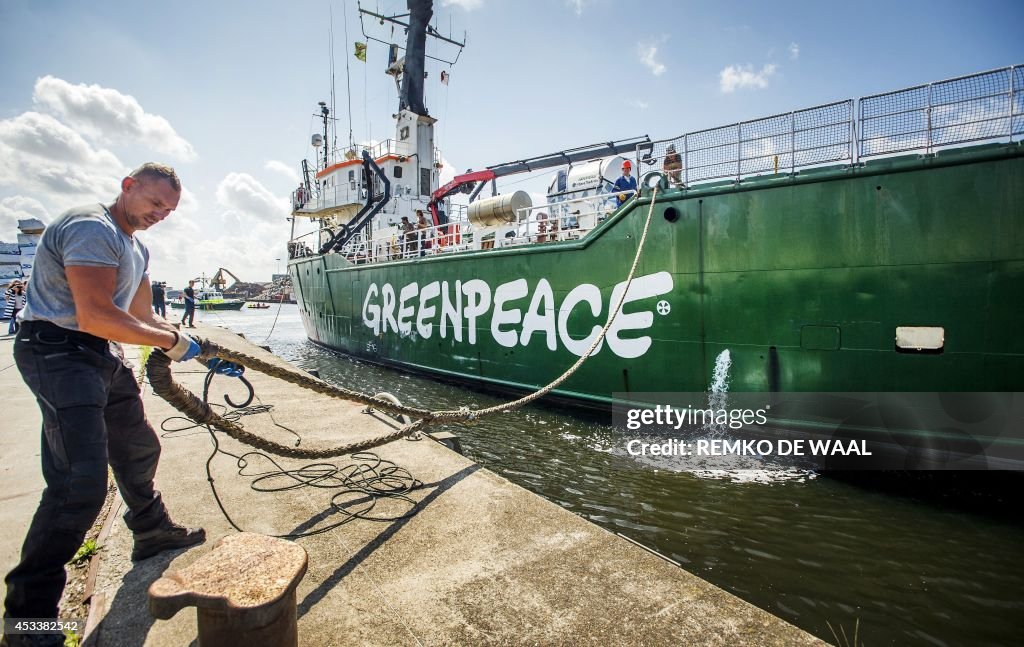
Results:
x,y
361,484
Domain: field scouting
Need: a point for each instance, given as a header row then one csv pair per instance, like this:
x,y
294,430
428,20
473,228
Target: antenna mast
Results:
x,y
348,83
413,66
324,112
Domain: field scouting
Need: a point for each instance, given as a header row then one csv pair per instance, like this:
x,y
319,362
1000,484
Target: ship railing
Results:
x,y
345,194
394,147
397,245
457,212
987,106
557,221
391,147
306,244
564,219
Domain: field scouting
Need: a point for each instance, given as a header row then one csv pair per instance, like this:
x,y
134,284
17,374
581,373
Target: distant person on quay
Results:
x,y
90,288
14,301
159,305
189,297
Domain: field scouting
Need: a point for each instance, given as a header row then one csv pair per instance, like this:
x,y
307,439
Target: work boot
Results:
x,y
32,640
167,536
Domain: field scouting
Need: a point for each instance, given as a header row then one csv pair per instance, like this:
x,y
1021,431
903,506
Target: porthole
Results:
x,y
671,214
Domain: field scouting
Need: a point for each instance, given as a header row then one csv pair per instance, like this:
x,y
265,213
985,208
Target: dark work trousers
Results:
x,y
190,314
160,308
92,415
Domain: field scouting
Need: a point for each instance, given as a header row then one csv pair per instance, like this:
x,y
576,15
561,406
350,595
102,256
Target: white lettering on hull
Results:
x,y
463,303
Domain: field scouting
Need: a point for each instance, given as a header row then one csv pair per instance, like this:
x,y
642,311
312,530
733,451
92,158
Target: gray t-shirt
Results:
x,y
82,236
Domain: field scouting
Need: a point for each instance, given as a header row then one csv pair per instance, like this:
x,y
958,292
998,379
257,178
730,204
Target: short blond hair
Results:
x,y
155,171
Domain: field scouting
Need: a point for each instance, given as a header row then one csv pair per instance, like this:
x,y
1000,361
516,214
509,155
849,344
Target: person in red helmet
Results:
x,y
626,183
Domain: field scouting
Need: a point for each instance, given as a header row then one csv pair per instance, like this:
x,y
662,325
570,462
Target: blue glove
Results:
x,y
225,368
184,349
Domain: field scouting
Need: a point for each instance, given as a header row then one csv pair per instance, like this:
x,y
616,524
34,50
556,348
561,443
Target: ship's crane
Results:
x,y
466,181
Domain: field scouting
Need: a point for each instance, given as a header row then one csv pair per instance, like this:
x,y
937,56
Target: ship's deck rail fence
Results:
x,y
983,107
347,189
567,219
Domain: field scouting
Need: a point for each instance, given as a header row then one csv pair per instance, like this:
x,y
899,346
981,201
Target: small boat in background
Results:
x,y
209,299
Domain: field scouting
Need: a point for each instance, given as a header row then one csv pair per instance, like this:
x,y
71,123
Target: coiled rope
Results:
x,y
158,369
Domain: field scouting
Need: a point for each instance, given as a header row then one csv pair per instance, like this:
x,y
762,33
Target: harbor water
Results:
x,y
832,556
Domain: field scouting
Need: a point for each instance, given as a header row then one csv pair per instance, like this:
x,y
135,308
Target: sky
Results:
x,y
226,92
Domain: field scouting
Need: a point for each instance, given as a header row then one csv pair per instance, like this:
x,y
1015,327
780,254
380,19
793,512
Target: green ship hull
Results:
x,y
804,279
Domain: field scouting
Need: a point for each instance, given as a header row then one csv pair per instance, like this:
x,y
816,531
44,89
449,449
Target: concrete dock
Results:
x,y
482,561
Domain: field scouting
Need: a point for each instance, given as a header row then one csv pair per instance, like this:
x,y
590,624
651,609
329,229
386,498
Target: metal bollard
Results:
x,y
243,591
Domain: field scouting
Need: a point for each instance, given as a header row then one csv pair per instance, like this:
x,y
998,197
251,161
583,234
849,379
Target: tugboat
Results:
x,y
209,298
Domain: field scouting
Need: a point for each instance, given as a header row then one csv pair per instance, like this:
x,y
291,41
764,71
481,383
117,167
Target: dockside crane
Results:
x,y
220,282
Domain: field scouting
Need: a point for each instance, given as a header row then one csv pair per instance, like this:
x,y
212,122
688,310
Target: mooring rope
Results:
x,y
158,368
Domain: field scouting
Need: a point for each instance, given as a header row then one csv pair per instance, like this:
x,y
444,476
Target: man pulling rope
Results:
x,y
91,287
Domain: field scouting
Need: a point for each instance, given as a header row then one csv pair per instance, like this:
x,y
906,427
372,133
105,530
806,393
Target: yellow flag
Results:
x,y
361,51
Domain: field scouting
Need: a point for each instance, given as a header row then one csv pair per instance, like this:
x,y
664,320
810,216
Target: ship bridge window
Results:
x,y
397,172
424,181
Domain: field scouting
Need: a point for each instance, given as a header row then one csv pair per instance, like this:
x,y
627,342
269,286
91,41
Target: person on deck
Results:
x,y
542,227
673,166
90,287
407,231
423,229
625,183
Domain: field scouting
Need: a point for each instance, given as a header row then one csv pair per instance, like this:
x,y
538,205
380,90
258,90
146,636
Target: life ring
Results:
x,y
661,181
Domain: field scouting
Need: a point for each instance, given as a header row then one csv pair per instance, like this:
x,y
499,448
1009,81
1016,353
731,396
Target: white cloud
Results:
x,y
238,237
737,77
19,207
8,227
243,194
59,154
794,51
284,169
108,116
181,249
24,207
639,104
648,53
468,5
577,6
39,153
447,172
